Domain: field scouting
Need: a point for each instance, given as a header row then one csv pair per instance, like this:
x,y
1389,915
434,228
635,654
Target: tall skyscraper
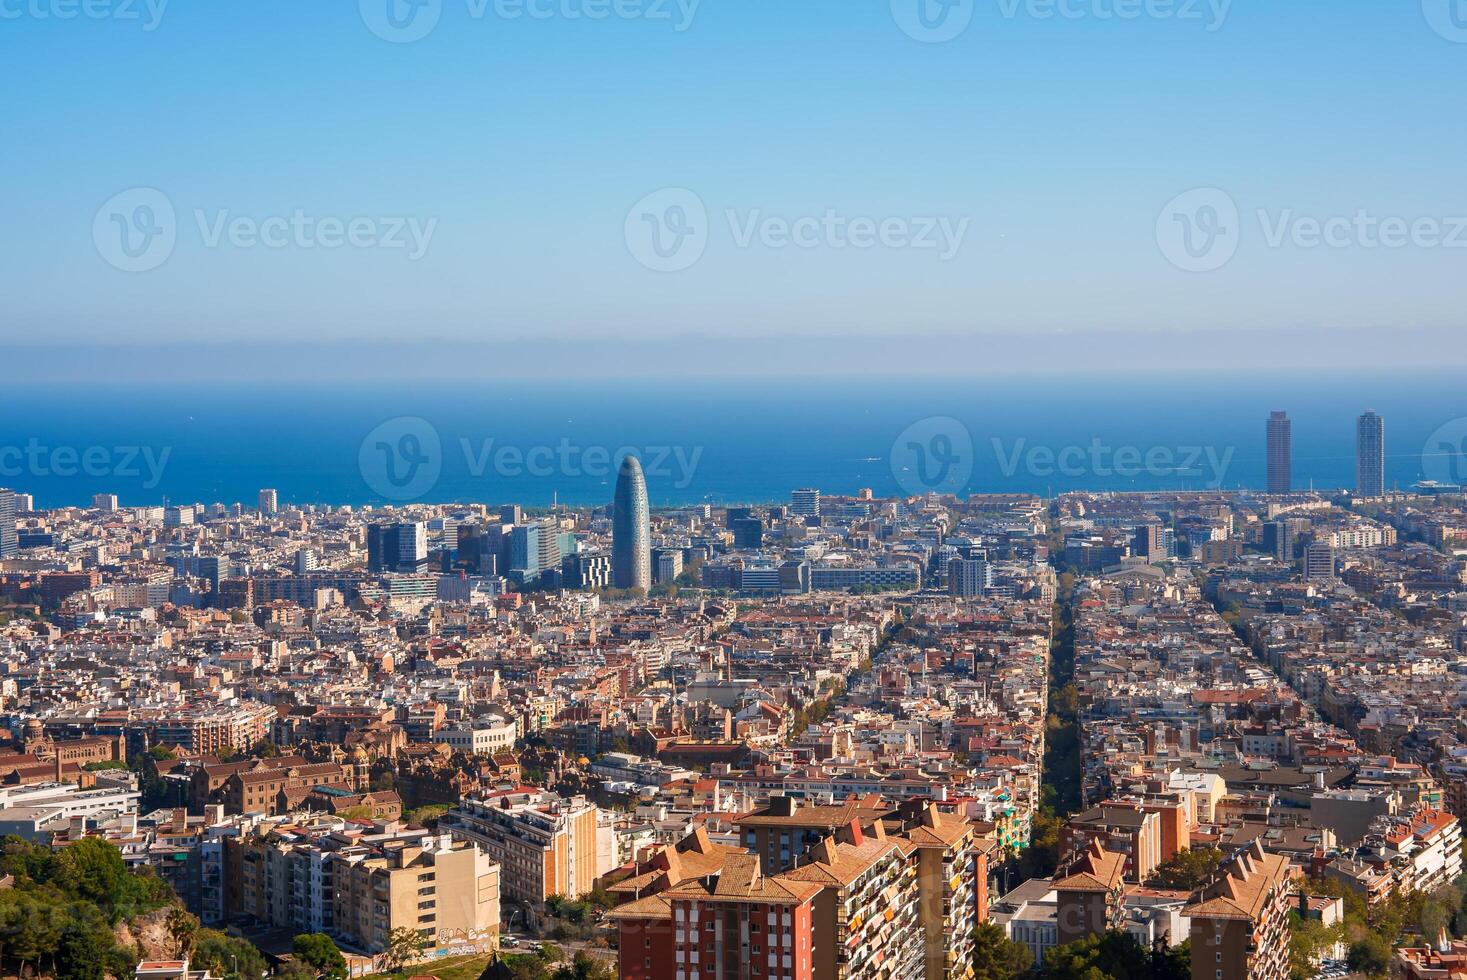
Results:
x,y
397,547
268,502
1370,455
9,538
631,529
969,576
412,546
805,502
1280,453
534,549
1319,562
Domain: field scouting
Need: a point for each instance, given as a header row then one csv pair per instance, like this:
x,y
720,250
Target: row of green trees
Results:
x,y
1111,956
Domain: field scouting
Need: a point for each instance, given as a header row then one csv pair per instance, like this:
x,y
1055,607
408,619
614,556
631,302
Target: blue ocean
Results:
x,y
702,440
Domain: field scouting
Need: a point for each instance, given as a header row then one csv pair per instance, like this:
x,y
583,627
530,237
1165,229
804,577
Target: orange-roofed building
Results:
x,y
1090,896
1240,920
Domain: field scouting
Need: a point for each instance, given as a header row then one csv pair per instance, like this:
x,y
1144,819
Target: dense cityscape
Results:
x,y
1208,734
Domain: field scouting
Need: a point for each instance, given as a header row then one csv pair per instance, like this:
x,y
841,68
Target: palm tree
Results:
x,y
182,929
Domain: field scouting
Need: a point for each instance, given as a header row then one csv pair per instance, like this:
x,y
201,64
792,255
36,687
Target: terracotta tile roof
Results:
x,y
938,829
741,879
652,907
1098,870
841,863
1242,887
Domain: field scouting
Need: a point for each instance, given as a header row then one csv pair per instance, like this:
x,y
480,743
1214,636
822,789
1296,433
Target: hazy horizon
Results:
x,y
1286,354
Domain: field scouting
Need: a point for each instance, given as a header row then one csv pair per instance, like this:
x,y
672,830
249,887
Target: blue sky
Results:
x,y
519,148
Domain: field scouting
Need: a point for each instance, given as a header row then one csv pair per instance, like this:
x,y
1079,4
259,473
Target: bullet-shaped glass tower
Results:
x,y
631,531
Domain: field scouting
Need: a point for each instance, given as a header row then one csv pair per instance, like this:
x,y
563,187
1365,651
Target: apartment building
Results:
x,y
485,736
1423,847
1240,920
359,887
866,923
782,832
1127,830
1090,896
897,893
952,884
448,891
544,844
743,924
208,728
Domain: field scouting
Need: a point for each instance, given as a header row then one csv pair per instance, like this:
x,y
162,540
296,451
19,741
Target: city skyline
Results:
x,y
710,490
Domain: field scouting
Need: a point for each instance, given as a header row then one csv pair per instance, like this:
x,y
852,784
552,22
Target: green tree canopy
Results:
x,y
226,956
996,956
1187,870
320,955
